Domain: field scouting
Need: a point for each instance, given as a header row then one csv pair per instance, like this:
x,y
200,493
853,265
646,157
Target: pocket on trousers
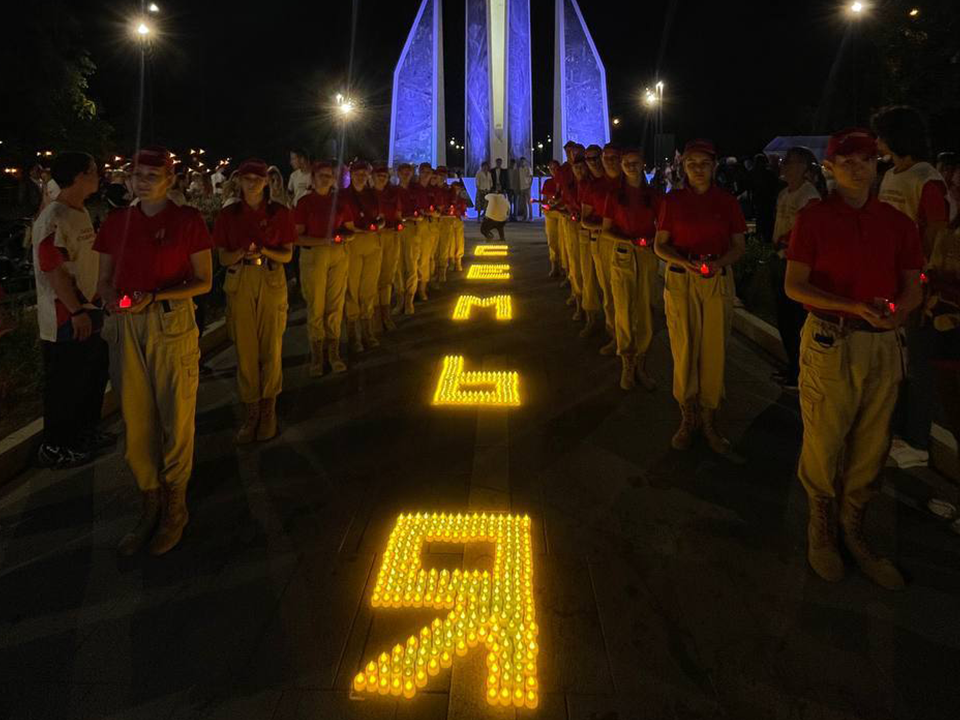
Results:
x,y
190,369
276,277
179,319
821,361
111,329
623,258
810,400
232,280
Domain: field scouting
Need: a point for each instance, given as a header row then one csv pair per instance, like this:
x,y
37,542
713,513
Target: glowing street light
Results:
x,y
153,7
616,121
143,30
915,12
857,8
649,98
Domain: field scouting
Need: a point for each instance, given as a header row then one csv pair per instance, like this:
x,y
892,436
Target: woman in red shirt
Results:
x,y
700,234
389,203
255,239
365,256
629,220
549,197
155,259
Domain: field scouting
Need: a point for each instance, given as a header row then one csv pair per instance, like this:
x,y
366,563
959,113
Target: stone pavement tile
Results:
x,y
228,703
338,705
530,504
304,644
650,706
38,700
468,690
649,652
573,655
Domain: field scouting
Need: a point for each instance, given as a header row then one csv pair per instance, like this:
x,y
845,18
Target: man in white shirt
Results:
x,y
498,210
301,179
217,180
74,355
525,176
484,185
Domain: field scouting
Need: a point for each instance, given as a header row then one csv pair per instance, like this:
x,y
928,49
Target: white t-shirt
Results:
x,y
526,177
904,189
498,209
789,204
484,180
299,184
53,190
216,180
73,232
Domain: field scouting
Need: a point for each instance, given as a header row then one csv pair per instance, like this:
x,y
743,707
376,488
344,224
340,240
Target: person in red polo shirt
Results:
x,y
700,234
408,194
567,183
446,198
323,221
155,258
593,199
365,255
571,229
255,238
629,224
549,198
428,227
389,203
854,262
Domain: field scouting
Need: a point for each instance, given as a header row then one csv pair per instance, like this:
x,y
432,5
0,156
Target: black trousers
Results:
x,y
74,380
790,317
488,225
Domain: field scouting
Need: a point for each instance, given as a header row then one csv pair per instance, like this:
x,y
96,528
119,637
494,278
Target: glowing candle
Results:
x,y
503,305
459,387
499,271
125,302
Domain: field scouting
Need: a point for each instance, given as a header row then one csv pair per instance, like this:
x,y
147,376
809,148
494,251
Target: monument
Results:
x,y
498,83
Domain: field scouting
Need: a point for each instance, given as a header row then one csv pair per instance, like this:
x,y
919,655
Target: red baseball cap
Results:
x,y
359,165
321,165
611,147
425,166
852,141
253,166
441,170
700,145
594,147
404,166
381,169
570,144
154,156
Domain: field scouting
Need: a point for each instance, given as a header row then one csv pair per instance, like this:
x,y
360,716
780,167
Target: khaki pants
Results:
x,y
429,235
570,232
445,242
699,318
160,369
323,282
256,320
601,255
363,275
589,288
552,228
390,256
633,275
458,240
848,389
409,239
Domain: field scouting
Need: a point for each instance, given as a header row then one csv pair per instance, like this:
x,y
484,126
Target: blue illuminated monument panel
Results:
x,y
497,82
417,127
580,83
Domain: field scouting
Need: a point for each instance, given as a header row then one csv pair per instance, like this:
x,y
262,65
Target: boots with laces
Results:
x,y
369,336
248,430
134,540
173,519
822,553
689,423
717,442
267,429
333,357
879,569
316,359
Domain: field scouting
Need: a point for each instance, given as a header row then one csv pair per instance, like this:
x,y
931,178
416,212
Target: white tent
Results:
x,y
816,143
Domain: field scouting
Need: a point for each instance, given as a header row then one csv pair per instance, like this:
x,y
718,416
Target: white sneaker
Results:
x,y
955,526
907,456
942,508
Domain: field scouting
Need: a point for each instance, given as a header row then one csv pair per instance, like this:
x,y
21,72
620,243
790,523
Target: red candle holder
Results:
x,y
338,238
125,302
924,278
704,270
399,226
642,242
372,227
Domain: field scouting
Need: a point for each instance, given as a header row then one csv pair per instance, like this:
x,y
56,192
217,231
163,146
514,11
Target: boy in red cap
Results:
x,y
549,200
446,204
365,255
323,220
409,237
389,203
155,259
606,177
255,237
854,262
429,227
700,234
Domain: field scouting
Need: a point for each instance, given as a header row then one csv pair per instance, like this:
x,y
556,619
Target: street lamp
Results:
x,y
857,8
153,7
616,121
143,30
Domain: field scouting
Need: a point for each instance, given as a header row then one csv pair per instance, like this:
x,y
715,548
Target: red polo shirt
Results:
x,y
320,215
409,200
550,190
239,225
594,193
388,200
152,253
856,254
364,204
426,197
633,211
701,224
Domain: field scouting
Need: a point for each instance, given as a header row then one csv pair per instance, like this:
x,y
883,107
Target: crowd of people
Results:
x,y
859,268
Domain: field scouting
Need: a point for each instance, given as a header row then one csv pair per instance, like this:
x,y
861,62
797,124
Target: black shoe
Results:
x,y
61,458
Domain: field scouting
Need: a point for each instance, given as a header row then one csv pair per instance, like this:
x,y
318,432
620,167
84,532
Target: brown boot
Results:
x,y
571,300
173,519
134,540
248,430
554,273
408,304
646,382
717,442
610,349
267,430
591,325
683,438
388,323
578,311
422,292
822,553
316,359
369,336
354,338
879,569
628,372
333,356
459,264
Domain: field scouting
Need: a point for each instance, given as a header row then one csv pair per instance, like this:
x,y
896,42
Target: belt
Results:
x,y
846,323
680,270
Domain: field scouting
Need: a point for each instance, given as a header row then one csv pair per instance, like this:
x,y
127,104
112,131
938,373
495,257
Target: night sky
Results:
x,y
244,78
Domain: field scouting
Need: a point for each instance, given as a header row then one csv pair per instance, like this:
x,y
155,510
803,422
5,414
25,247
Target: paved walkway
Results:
x,y
667,585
